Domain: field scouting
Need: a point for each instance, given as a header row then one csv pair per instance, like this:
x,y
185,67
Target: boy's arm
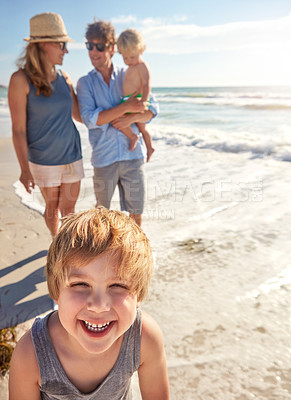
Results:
x,y
146,82
94,115
107,116
24,378
152,373
142,117
126,120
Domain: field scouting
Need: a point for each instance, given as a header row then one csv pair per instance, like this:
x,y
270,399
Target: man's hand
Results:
x,y
145,105
123,122
133,105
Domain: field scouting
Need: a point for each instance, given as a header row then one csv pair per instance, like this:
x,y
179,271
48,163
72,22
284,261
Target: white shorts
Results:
x,y
55,175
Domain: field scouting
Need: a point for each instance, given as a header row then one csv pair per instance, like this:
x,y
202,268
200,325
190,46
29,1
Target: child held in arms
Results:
x,y
137,80
98,271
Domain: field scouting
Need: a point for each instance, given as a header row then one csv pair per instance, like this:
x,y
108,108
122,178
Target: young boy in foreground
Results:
x,y
98,270
137,80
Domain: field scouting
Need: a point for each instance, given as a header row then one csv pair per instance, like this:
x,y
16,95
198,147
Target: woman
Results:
x,y
42,102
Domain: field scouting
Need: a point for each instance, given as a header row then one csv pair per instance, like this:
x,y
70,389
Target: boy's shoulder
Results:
x,y
152,371
25,351
24,358
143,65
151,335
142,69
25,344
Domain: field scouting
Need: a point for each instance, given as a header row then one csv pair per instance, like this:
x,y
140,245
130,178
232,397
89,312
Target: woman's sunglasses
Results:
x,y
63,45
98,46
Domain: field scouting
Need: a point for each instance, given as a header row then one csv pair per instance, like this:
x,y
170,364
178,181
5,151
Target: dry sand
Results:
x,y
24,241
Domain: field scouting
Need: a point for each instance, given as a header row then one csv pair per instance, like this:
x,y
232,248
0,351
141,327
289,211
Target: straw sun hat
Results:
x,y
47,27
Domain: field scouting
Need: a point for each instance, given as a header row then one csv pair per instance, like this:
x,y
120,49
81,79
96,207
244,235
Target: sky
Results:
x,y
189,42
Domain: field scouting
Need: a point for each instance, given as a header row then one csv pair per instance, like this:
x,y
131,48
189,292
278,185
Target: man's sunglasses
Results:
x,y
98,46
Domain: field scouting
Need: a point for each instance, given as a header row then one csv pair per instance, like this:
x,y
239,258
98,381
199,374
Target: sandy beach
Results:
x,y
217,210
24,241
219,224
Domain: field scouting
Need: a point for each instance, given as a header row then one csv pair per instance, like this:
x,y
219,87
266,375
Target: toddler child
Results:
x,y
137,80
98,271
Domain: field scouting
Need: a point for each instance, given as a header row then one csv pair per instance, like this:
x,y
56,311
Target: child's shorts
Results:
x,y
55,175
138,96
125,98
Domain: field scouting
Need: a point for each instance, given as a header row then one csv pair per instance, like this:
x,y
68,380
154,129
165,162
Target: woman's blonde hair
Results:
x,y
88,234
130,40
33,64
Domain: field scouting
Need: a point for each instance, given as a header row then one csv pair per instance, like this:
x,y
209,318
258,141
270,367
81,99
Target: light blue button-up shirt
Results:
x,y
109,145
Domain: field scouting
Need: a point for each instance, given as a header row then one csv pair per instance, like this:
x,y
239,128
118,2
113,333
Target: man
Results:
x,y
99,94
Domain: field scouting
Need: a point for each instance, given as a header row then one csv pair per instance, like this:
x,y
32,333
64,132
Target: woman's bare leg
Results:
x,y
69,193
61,199
51,214
137,218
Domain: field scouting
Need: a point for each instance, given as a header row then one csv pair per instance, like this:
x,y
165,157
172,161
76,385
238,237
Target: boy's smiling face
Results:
x,y
95,307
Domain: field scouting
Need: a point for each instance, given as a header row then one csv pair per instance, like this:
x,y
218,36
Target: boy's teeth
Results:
x,y
96,328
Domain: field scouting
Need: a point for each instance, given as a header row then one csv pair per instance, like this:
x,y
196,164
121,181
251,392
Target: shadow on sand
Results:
x,y
13,310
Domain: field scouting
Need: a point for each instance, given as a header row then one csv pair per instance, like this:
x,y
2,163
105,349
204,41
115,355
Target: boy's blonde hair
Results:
x,y
86,235
130,40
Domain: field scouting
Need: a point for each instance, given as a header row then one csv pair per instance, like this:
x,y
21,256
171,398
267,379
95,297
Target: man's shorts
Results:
x,y
55,175
129,176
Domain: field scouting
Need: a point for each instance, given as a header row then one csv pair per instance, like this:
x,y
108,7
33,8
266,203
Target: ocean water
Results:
x,y
218,216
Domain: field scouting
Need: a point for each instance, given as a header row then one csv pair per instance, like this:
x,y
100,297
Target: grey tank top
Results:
x,y
55,385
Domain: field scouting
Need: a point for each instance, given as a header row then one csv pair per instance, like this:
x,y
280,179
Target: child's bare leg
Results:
x,y
147,139
131,136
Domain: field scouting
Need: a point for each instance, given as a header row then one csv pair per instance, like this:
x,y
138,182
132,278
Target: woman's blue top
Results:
x,y
52,136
